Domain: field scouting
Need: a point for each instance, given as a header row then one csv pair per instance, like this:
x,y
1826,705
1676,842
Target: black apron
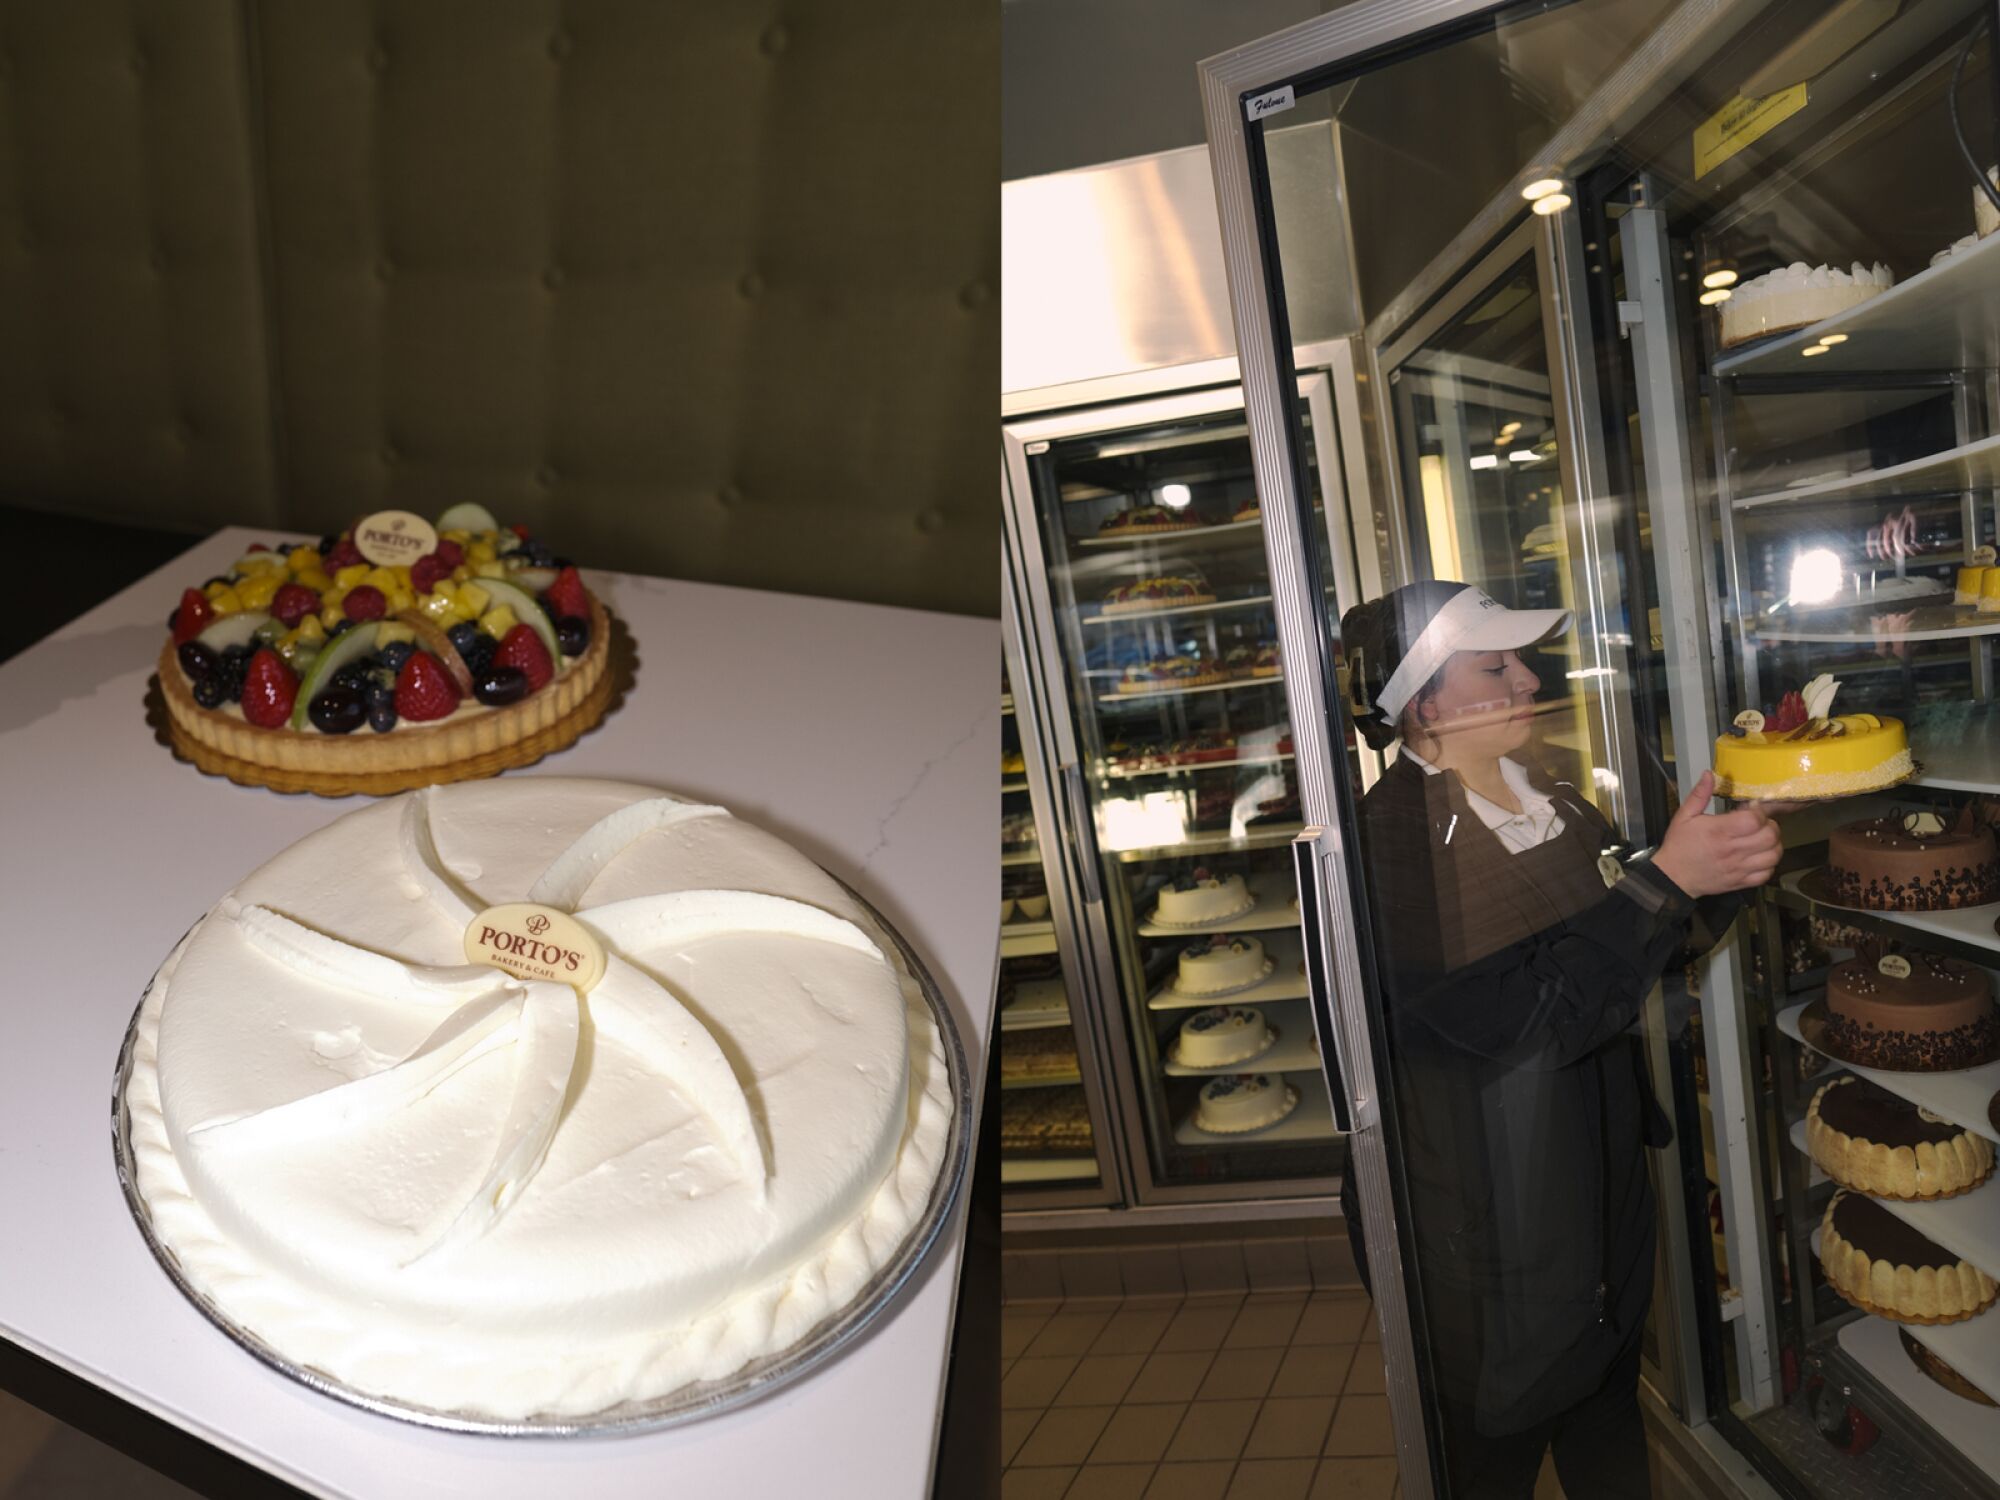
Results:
x,y
1530,1207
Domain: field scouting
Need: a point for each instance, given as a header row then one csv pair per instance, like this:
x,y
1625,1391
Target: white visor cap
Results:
x,y
1471,620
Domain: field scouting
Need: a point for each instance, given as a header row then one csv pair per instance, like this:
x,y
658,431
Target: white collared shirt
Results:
x,y
1535,824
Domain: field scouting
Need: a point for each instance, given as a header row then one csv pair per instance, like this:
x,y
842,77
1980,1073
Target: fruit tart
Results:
x,y
314,669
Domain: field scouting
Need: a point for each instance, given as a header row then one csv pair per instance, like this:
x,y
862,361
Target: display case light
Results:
x,y
1523,456
1541,188
1716,297
1554,203
1484,461
1812,349
1833,338
1508,429
1175,496
1718,274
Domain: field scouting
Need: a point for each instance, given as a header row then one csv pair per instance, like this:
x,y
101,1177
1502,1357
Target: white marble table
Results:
x,y
867,736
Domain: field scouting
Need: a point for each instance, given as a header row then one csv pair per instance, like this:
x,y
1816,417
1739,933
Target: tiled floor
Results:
x,y
1271,1396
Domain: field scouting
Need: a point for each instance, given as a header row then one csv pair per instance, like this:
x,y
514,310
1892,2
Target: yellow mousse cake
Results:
x,y
1825,758
1803,751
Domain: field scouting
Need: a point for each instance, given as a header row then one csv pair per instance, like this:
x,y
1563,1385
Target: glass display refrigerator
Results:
x,y
1683,321
1136,551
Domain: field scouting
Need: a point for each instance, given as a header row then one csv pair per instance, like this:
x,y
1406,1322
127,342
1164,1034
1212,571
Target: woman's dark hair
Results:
x,y
1375,637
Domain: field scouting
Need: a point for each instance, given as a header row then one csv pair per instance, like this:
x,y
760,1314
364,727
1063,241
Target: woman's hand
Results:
x,y
1706,855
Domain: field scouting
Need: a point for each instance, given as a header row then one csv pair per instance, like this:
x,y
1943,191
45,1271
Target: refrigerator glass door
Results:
x,y
1142,528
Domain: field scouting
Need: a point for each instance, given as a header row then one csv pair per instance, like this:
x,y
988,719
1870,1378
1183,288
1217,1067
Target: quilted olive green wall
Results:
x,y
698,289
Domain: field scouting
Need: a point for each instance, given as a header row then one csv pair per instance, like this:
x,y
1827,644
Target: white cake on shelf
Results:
x,y
1221,1035
451,1187
1240,1102
1219,964
1199,898
1797,296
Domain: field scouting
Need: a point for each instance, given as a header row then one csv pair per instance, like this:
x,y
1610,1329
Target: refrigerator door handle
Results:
x,y
1306,852
1079,820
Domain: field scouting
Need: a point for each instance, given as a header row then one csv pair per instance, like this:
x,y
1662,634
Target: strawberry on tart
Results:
x,y
338,669
1145,520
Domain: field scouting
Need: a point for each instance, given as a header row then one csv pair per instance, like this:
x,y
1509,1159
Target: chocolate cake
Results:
x,y
1935,1018
1913,862
1883,1266
1876,1142
1927,1361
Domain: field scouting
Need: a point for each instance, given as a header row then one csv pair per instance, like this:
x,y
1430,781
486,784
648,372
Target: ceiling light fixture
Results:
x,y
1554,203
1541,188
1485,460
1716,297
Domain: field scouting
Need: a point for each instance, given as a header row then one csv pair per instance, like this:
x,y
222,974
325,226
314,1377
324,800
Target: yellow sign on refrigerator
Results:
x,y
1741,121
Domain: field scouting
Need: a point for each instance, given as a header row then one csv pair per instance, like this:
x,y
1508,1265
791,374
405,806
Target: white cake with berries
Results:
x,y
1198,898
1219,964
452,1188
317,668
1239,1102
1222,1035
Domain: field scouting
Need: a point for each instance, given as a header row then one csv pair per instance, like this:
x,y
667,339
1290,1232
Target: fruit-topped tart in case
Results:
x,y
392,655
1801,752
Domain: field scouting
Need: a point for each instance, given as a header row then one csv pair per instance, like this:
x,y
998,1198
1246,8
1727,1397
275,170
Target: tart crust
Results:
x,y
1927,1170
1948,1292
456,749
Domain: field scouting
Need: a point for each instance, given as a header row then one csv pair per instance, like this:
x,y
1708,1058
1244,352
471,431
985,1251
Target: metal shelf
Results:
x,y
1274,680
1961,1097
1062,1081
1021,1170
1975,466
1972,1429
1027,939
1235,531
1007,786
1968,1226
1127,616
1943,318
1961,753
1273,912
1311,1121
1235,763
1292,1052
1214,843
1928,622
1021,857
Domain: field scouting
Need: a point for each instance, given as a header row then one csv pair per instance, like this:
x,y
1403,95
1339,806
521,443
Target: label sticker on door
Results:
x,y
1739,123
1275,102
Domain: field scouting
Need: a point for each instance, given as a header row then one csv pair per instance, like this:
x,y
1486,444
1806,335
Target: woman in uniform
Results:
x,y
1518,937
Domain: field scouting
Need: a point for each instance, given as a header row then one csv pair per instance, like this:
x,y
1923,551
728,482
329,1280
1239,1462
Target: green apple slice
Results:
x,y
527,609
349,645
467,515
232,630
536,581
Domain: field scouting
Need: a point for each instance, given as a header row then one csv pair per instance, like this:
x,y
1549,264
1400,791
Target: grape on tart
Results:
x,y
311,669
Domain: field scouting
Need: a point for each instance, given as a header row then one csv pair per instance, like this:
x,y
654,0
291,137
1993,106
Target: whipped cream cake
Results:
x,y
1797,296
457,1189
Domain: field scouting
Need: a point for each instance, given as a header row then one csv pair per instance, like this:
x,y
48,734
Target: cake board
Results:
x,y
691,1403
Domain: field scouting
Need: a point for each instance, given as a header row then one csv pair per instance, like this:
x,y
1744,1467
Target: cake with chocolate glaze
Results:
x,y
1915,1013
1927,1360
1885,1267
1913,862
1876,1142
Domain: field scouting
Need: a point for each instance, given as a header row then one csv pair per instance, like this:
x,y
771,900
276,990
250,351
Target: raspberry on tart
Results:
x,y
312,668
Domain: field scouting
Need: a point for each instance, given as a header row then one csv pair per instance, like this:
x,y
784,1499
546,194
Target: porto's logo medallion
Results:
x,y
535,942
392,537
1895,966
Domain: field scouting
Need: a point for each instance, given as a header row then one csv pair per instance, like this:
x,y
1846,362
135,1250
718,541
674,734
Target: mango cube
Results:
x,y
498,621
352,574
472,598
